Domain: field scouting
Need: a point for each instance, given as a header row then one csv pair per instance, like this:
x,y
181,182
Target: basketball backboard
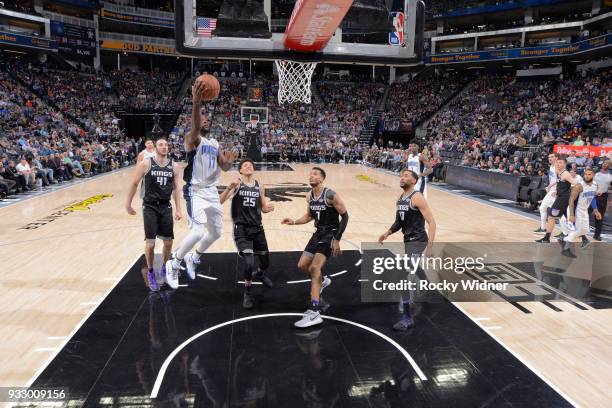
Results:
x,y
371,32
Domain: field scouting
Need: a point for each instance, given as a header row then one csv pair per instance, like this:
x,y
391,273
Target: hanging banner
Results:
x,y
396,37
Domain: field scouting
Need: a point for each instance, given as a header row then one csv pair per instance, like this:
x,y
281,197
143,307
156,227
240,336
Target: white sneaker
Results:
x,y
310,318
172,274
326,282
192,265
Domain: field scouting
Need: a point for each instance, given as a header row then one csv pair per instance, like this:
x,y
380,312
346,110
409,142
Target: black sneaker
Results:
x,y
263,278
539,230
247,301
559,235
597,237
585,243
543,240
568,253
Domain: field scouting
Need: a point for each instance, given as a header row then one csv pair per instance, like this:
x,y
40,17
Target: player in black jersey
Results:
x,y
559,207
159,184
248,202
411,215
328,211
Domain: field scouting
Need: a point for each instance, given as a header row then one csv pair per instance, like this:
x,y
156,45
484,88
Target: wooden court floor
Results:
x,y
63,252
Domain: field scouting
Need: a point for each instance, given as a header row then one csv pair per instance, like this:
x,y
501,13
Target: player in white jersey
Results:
x,y
581,198
418,163
149,152
551,192
205,160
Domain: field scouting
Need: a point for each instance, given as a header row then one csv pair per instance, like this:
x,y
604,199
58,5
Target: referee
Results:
x,y
159,184
603,179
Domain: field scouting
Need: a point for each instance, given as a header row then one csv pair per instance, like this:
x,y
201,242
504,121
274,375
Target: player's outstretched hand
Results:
x,y
287,221
130,210
229,156
197,91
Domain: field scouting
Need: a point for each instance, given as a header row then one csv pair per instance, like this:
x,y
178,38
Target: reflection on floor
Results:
x,y
115,357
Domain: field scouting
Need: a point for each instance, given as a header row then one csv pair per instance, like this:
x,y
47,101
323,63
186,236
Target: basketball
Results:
x,y
213,88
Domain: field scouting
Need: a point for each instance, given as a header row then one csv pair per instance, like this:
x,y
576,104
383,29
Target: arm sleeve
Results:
x,y
594,204
343,222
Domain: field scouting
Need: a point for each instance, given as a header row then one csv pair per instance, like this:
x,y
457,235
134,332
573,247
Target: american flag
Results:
x,y
205,26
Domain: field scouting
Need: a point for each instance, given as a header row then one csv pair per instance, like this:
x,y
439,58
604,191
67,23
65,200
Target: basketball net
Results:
x,y
253,124
294,81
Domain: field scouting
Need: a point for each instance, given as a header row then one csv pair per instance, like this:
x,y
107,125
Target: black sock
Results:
x,y
547,236
314,304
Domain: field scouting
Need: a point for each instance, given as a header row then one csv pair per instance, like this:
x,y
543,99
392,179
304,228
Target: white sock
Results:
x,y
543,217
187,245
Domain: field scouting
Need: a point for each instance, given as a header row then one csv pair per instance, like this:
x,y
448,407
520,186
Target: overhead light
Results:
x,y
575,61
475,67
16,52
507,66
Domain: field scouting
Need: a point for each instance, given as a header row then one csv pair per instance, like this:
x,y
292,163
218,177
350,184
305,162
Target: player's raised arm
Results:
x,y
226,158
229,191
304,219
419,202
141,170
428,169
193,137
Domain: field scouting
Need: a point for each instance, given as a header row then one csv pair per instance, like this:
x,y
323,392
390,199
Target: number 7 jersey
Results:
x,y
324,214
246,205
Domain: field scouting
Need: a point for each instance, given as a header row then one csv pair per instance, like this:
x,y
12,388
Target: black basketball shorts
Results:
x,y
559,207
320,243
250,239
158,221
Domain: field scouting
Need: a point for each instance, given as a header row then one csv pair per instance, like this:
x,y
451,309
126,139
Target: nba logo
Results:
x,y
396,37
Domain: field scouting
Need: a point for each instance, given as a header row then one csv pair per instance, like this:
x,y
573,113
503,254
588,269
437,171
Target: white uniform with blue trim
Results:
x,y
414,163
581,220
202,177
549,198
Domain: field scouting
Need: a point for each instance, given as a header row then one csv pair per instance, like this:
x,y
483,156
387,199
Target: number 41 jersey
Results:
x,y
158,182
246,205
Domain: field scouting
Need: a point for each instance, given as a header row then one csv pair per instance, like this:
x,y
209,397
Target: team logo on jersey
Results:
x,y
283,191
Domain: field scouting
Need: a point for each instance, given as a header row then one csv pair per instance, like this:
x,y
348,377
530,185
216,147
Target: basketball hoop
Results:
x,y
294,81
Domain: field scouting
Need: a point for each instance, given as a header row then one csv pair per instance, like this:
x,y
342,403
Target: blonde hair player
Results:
x,y
159,183
149,151
205,160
